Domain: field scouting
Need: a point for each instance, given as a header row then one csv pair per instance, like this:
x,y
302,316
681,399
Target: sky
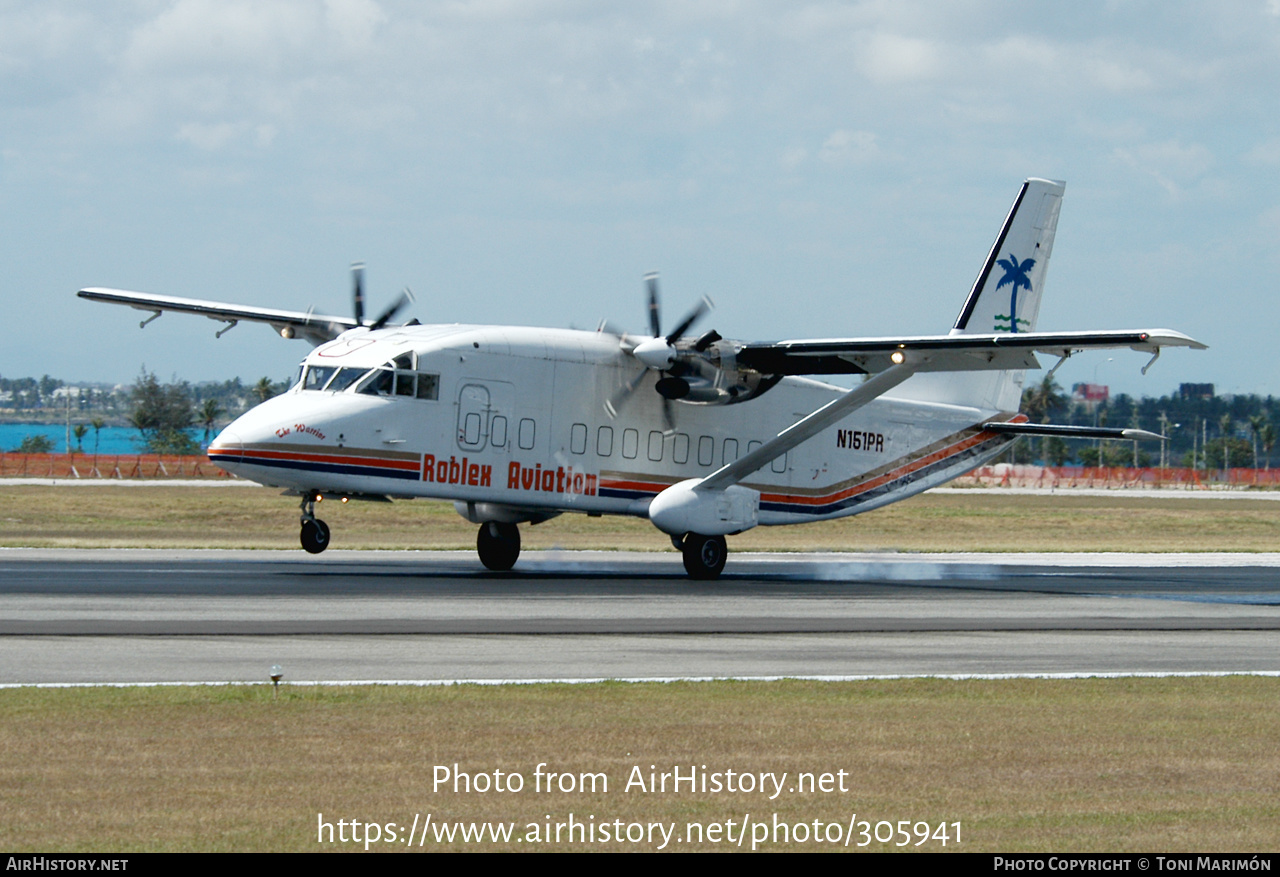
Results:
x,y
820,169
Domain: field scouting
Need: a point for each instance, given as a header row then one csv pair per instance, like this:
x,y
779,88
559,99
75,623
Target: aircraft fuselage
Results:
x,y
511,424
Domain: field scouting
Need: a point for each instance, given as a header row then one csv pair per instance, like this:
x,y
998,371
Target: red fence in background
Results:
x,y
148,466
1065,477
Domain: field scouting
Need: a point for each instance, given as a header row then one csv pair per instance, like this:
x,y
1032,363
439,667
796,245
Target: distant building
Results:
x,y
1090,394
1195,391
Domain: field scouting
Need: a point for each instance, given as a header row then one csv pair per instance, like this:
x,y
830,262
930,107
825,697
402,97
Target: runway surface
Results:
x,y
204,616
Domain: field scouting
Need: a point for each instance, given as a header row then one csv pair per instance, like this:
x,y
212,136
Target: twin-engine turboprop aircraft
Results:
x,y
703,436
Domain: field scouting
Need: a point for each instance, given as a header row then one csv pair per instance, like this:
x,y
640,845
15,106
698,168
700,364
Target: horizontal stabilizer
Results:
x,y
1083,432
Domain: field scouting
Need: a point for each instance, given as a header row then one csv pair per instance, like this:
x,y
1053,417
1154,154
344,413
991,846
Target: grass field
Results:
x,y
122,516
1161,765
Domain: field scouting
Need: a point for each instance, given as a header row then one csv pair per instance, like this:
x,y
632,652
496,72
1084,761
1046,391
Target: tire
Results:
x,y
498,546
314,536
704,556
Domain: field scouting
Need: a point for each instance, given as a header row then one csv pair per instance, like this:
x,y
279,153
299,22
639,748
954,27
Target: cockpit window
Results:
x,y
317,376
394,378
345,378
379,383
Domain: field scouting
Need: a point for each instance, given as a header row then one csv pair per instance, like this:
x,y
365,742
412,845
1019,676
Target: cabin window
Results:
x,y
604,441
578,438
655,445
730,451
317,376
680,448
630,443
497,429
429,387
751,446
706,450
779,464
525,436
471,429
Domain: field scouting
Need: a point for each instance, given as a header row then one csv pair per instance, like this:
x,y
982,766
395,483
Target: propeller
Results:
x,y
659,353
357,290
357,294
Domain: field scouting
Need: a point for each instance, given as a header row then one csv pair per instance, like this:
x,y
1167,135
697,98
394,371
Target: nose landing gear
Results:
x,y
315,532
498,546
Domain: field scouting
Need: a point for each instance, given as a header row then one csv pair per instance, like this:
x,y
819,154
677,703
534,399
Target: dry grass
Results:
x,y
192,517
1094,765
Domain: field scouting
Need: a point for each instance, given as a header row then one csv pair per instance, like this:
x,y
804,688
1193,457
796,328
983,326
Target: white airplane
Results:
x,y
704,436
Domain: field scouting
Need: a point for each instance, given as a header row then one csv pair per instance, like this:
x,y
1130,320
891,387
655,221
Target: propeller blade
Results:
x,y
357,292
694,315
655,323
705,341
405,297
615,402
668,416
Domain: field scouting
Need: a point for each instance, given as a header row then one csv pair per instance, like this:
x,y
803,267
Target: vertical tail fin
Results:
x,y
1005,298
1006,295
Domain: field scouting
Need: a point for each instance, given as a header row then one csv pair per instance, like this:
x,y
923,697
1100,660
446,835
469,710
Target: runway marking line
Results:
x,y
871,677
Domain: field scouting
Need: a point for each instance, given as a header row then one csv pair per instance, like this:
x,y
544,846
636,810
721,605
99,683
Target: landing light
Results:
x,y
898,357
345,499
286,332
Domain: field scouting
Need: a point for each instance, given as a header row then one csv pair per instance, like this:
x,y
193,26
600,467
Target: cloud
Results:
x,y
224,35
891,59
848,147
1172,164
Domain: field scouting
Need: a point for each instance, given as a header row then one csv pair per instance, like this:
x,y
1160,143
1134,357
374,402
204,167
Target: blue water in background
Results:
x,y
111,440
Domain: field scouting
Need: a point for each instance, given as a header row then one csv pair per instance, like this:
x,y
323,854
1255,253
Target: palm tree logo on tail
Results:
x,y
1015,274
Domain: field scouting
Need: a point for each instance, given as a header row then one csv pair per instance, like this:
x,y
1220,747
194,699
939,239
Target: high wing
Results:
x,y
316,328
955,352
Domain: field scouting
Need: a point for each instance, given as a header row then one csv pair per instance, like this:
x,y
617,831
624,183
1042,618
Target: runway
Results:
x,y
78,616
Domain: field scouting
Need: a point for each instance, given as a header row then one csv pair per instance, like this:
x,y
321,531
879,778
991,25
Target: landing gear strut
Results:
x,y
704,556
315,532
498,546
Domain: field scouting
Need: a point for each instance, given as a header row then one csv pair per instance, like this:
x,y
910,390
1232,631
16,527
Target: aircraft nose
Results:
x,y
226,446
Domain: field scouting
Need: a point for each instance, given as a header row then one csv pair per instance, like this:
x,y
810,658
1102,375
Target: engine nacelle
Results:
x,y
711,376
682,508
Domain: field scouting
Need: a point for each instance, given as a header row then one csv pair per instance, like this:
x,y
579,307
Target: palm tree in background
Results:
x,y
1267,435
1041,400
1256,422
210,411
1227,426
264,389
97,423
1038,403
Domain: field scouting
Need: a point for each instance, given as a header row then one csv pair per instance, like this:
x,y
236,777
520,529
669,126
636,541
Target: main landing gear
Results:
x,y
315,532
498,546
704,556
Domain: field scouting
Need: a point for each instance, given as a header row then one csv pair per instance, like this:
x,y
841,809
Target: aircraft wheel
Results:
x,y
314,536
498,546
704,556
